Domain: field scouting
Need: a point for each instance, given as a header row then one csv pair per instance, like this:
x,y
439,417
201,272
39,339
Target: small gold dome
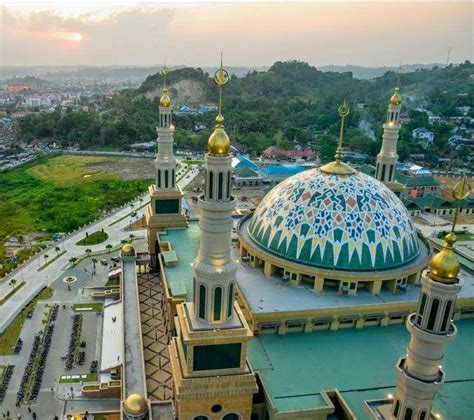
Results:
x,y
135,404
219,142
445,266
128,250
165,99
396,99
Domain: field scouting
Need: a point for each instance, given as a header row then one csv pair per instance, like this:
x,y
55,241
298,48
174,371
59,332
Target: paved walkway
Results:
x,y
35,280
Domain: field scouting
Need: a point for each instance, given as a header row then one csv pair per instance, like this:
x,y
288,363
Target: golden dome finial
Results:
x,y
219,142
165,100
135,404
396,98
445,266
338,167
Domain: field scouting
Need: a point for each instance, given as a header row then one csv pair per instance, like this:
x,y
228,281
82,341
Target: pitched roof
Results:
x,y
417,181
246,173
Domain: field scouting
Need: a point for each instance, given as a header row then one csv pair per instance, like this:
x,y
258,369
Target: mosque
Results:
x,y
302,316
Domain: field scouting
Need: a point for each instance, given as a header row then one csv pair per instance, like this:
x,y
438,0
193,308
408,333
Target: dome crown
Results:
x,y
135,404
128,250
165,100
343,222
445,266
219,142
396,98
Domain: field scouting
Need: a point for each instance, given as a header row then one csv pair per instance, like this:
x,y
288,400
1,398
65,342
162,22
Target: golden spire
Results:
x,y
445,266
338,167
165,100
396,98
219,142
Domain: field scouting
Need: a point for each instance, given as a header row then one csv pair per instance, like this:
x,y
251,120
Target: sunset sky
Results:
x,y
250,34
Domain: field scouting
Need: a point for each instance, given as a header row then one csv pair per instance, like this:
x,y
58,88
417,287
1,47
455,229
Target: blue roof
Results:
x,y
283,169
245,162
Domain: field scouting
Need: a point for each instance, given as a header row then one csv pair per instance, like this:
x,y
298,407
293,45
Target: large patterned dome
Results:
x,y
351,222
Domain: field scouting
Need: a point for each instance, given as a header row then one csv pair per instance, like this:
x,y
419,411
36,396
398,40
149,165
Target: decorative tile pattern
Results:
x,y
349,222
155,336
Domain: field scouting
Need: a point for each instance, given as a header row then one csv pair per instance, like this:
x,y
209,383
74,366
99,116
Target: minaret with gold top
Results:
x,y
211,376
420,373
387,158
165,209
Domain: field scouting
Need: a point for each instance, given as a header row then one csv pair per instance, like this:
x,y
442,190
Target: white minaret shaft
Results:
x,y
214,270
387,158
165,162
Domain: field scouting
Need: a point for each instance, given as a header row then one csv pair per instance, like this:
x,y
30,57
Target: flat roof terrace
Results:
x,y
360,363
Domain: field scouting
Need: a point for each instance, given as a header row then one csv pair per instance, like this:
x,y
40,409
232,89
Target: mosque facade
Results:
x,y
327,249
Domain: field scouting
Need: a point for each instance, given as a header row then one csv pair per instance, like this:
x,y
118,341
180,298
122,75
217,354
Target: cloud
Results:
x,y
249,34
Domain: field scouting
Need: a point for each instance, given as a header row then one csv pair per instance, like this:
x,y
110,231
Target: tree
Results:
x,y
73,260
46,256
131,236
108,247
94,262
57,249
12,282
88,252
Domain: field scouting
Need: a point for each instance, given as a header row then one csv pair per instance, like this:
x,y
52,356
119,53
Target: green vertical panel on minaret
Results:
x,y
167,206
202,301
231,299
217,303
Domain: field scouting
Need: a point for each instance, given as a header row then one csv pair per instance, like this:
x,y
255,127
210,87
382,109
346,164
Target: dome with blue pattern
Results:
x,y
343,222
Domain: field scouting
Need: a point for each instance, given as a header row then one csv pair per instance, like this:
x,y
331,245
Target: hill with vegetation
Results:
x,y
292,102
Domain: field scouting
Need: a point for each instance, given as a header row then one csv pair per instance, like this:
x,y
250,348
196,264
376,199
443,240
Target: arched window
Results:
x,y
433,312
159,178
422,415
396,409
383,173
419,318
228,185
172,178
211,183
231,416
408,414
202,301
220,186
231,299
201,417
217,303
447,310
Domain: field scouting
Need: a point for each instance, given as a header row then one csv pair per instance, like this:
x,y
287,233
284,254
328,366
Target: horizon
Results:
x,y
251,35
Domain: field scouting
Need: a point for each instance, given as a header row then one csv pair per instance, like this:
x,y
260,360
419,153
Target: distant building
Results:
x,y
423,135
15,88
273,152
418,186
247,177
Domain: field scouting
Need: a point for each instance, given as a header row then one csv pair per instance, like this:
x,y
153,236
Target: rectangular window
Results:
x,y
159,178
353,286
167,206
228,185
220,356
211,183
220,186
447,310
391,173
433,313
231,300
383,173
166,179
172,178
217,303
202,301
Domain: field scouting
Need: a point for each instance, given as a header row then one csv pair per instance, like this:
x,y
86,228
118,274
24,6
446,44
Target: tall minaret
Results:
x,y
165,209
208,356
420,373
387,158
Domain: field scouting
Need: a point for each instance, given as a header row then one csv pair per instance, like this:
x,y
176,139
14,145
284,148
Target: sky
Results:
x,y
372,33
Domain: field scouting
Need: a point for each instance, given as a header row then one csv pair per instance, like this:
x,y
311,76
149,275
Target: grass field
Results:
x,y
60,194
94,238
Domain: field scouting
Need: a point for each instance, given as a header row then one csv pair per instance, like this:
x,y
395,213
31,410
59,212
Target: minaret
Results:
x,y
420,373
208,356
165,209
387,158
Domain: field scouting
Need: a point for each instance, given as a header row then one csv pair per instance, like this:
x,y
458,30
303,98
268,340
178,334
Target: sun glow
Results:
x,y
76,37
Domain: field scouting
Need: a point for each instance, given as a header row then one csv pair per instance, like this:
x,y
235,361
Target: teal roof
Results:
x,y
295,367
246,173
185,243
429,200
367,169
417,181
349,222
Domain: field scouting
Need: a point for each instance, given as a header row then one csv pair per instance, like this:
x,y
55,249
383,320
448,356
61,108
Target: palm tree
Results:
x,y
88,252
12,282
46,256
123,241
72,260
108,247
94,262
57,249
131,236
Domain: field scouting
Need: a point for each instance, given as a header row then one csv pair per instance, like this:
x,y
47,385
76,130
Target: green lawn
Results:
x,y
89,377
56,194
87,307
94,238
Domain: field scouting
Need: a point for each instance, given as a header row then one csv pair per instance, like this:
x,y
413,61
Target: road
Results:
x,y
35,280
